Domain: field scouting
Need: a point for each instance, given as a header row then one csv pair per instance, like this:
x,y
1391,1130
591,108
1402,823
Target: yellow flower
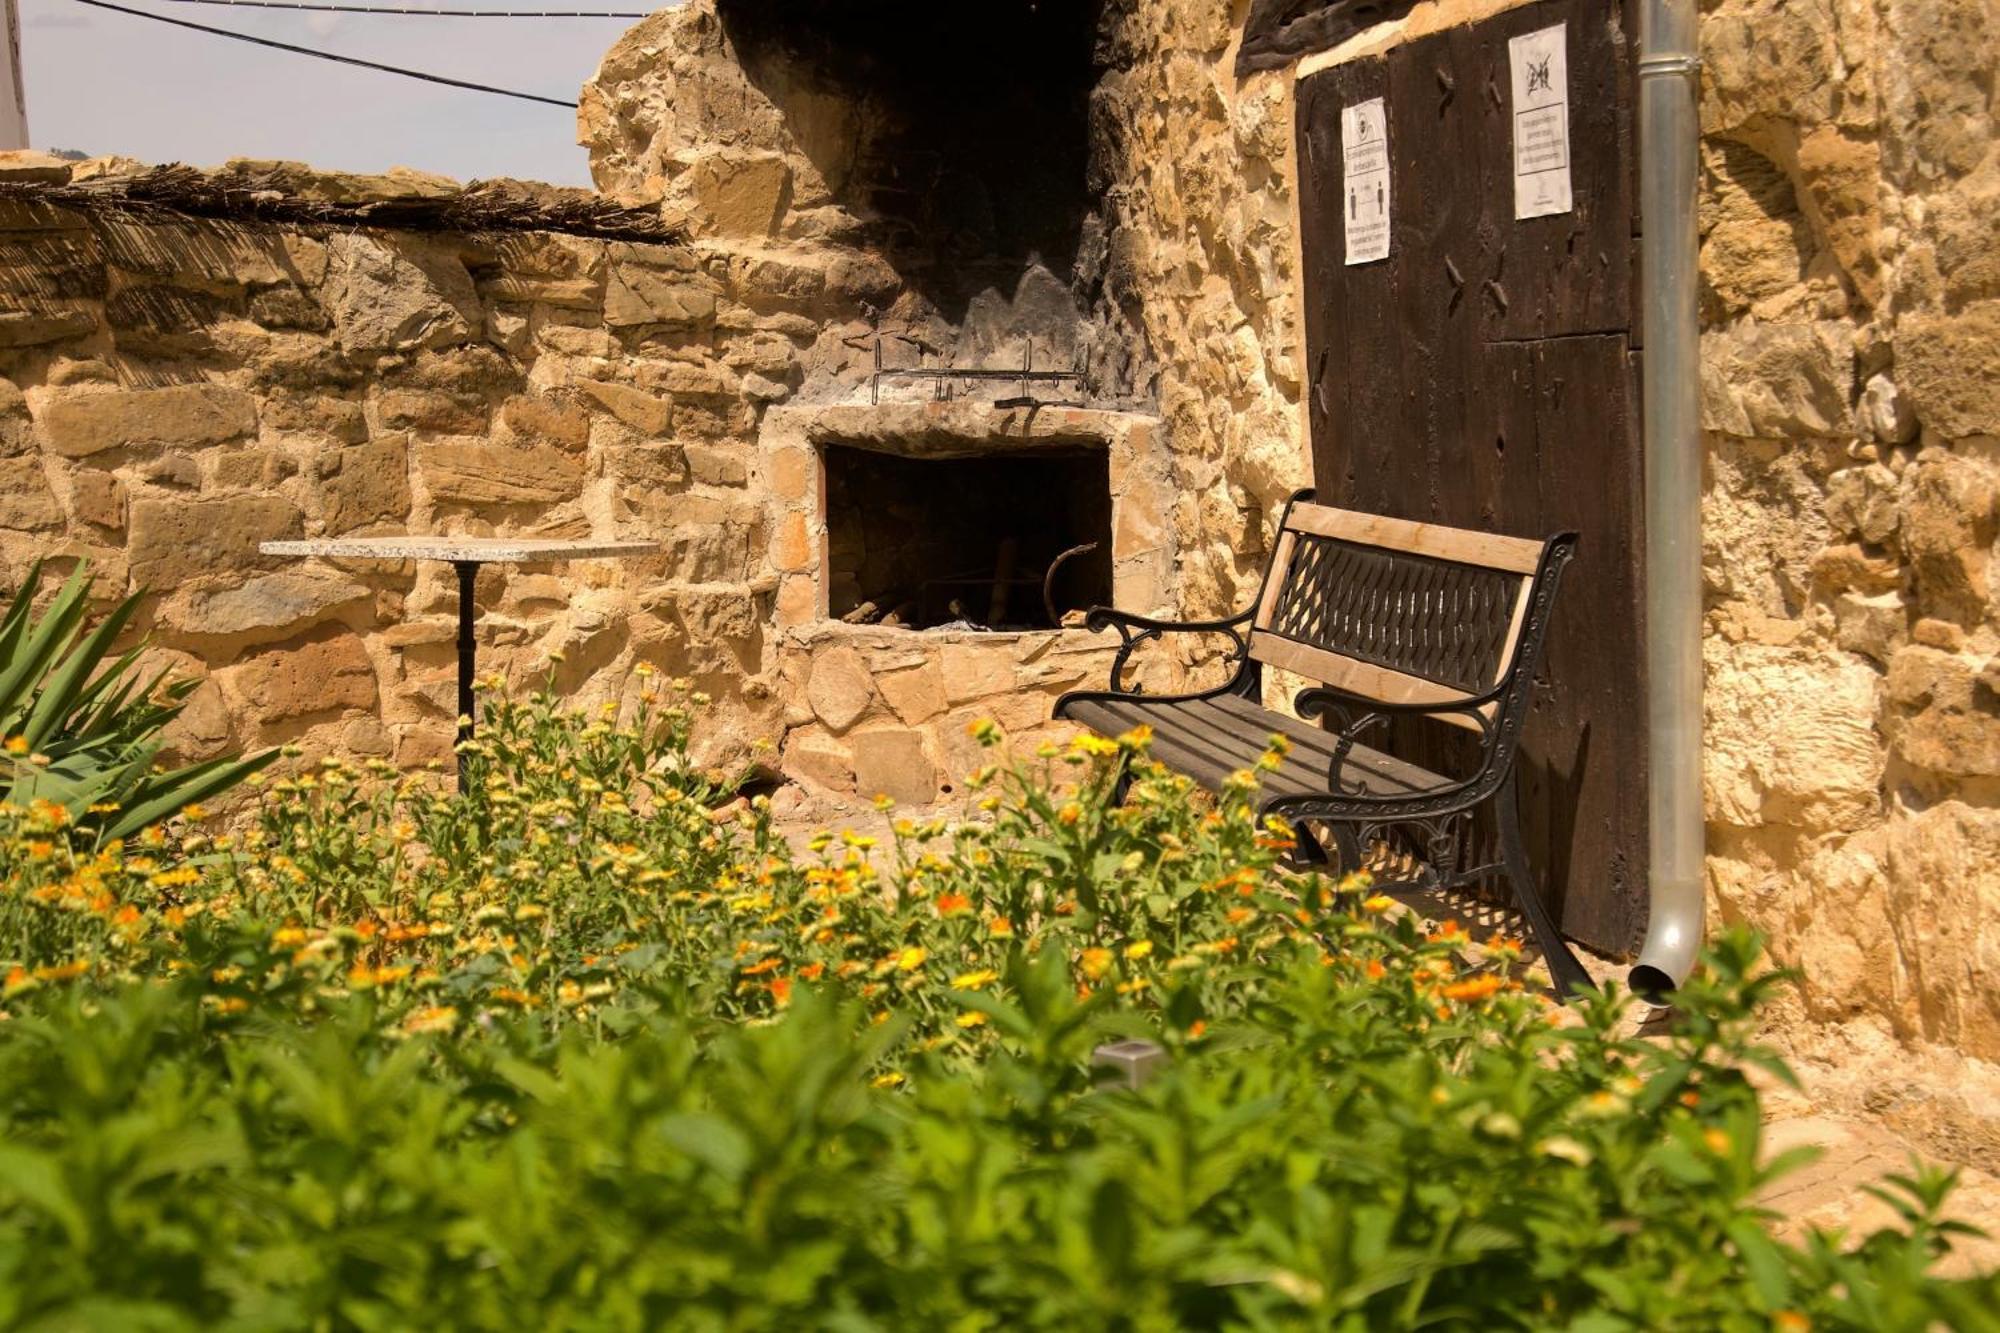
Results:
x,y
985,730
909,960
971,1018
1138,949
1095,962
439,1018
1717,1142
886,1081
1000,928
1377,903
17,745
978,980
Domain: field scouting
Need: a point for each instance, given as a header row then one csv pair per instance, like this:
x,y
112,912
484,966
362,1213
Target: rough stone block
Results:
x,y
1775,381
30,328
646,413
718,465
820,760
975,671
1953,724
635,296
792,544
794,474
706,538
917,695
538,419
1950,365
477,474
393,297
841,690
326,673
78,423
27,502
430,410
267,608
717,614
739,194
655,463
97,498
1947,523
175,539
366,483
891,762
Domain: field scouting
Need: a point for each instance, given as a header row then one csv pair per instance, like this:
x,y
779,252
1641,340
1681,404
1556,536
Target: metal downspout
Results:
x,y
1669,135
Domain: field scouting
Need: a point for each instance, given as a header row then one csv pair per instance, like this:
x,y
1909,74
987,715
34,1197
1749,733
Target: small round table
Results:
x,y
466,555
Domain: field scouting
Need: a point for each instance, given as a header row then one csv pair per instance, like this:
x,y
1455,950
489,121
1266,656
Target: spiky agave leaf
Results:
x,y
89,723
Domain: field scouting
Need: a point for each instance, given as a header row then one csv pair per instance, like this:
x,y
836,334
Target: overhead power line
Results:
x,y
414,12
328,55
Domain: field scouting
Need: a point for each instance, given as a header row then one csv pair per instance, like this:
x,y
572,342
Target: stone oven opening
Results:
x,y
960,136
1001,541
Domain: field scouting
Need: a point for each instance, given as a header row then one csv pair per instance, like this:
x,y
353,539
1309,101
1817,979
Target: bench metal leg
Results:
x,y
1569,974
1310,854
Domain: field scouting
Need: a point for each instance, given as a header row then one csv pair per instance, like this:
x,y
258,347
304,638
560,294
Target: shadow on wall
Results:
x,y
959,131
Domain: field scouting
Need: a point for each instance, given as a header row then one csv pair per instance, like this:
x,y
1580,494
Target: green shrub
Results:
x,y
330,1075
81,730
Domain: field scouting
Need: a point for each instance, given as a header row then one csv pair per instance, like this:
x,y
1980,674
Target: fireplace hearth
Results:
x,y
1004,540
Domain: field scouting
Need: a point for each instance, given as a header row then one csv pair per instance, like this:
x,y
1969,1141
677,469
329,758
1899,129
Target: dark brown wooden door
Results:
x,y
1485,375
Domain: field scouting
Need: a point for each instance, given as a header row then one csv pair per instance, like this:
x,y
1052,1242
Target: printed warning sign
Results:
x,y
1541,122
1364,159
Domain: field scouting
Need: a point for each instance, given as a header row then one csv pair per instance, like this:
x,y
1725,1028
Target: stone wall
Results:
x,y
1850,308
1850,298
175,389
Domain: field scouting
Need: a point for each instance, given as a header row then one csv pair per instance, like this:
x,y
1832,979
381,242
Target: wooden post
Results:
x,y
13,91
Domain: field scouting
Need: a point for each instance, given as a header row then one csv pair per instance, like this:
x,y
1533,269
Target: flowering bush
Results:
x,y
575,1050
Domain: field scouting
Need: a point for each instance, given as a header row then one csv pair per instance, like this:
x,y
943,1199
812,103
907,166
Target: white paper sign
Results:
x,y
1541,122
1364,161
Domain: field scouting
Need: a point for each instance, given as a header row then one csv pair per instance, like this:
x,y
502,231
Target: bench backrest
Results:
x,y
1394,610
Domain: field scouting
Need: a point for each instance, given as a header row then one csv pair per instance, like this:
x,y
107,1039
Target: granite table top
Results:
x,y
461,550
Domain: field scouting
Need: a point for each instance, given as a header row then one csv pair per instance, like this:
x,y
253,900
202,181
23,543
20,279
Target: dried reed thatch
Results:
x,y
288,192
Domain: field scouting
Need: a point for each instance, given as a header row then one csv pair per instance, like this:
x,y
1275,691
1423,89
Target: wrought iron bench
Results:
x,y
1394,620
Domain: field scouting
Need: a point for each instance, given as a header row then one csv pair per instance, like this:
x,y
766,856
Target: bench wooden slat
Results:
x,y
1517,555
1209,743
1358,677
1316,745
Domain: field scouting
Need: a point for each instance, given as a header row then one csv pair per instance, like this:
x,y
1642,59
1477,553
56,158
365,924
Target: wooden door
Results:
x,y
1485,375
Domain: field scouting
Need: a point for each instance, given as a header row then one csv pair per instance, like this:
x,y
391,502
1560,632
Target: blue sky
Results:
x,y
107,83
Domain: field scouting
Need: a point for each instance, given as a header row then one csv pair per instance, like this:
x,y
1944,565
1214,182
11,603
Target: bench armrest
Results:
x,y
1356,713
1134,630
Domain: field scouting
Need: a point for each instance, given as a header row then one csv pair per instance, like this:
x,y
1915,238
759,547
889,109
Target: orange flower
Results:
x,y
1095,962
1446,933
1375,969
1475,988
1069,814
759,969
1196,1028
1790,1321
812,971
953,904
781,990
1000,928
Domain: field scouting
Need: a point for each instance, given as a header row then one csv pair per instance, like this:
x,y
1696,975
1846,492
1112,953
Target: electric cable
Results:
x,y
328,55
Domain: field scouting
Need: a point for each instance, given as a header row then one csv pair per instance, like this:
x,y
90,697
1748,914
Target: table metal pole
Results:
x,y
468,572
